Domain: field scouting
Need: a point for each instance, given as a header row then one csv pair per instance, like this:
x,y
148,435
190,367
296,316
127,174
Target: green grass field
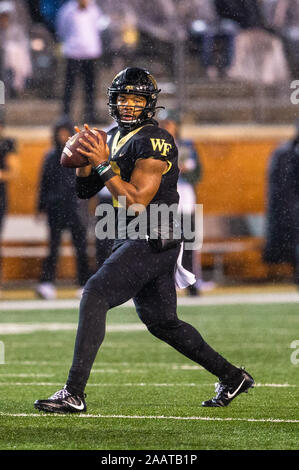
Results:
x,y
144,395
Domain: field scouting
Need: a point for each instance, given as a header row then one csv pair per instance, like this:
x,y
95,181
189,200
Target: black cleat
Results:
x,y
62,402
226,391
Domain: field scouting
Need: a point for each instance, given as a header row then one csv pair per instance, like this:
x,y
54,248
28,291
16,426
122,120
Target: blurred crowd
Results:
x,y
249,40
253,40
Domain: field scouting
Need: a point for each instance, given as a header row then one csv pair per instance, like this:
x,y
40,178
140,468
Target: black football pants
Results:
x,y
60,220
133,270
87,69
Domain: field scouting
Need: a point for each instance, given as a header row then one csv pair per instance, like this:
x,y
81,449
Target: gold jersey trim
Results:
x,y
167,169
116,170
118,144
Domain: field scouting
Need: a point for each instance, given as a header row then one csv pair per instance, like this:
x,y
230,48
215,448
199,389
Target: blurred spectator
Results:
x,y
285,14
285,21
48,11
259,58
247,13
268,10
44,62
9,167
78,27
282,213
15,61
213,35
160,28
155,18
34,10
21,13
120,36
259,54
190,174
58,200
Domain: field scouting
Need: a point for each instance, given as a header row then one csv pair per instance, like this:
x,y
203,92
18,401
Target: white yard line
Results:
x,y
26,375
26,328
118,364
58,384
38,304
136,384
224,299
177,418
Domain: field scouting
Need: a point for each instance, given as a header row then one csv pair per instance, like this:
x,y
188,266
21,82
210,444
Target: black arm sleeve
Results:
x,y
87,187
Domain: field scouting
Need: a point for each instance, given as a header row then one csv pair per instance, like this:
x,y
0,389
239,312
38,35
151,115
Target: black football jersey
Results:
x,y
147,141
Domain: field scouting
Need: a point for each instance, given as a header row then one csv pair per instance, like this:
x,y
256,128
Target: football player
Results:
x,y
141,168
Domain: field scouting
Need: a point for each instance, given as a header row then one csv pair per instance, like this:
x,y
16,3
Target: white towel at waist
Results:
x,y
183,278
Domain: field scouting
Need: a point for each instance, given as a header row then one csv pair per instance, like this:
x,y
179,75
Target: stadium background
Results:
x,y
235,123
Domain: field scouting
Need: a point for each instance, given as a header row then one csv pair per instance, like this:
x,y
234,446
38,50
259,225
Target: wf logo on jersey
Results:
x,y
161,145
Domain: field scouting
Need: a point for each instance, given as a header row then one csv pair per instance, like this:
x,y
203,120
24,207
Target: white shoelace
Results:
x,y
61,394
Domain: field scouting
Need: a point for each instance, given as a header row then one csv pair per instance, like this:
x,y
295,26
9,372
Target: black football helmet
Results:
x,y
134,81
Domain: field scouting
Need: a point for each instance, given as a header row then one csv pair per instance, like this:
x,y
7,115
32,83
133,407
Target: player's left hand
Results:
x,y
94,148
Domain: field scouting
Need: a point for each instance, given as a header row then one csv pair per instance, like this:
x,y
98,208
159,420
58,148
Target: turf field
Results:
x,y
144,395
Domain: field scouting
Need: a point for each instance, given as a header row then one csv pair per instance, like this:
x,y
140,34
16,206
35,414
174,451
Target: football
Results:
x,y
71,157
